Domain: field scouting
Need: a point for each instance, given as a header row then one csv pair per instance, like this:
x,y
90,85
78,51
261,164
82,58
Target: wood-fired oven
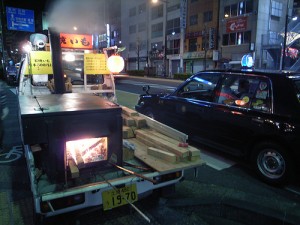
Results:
x,y
72,129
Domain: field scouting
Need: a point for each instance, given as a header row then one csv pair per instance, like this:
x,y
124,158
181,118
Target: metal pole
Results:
x,y
285,36
165,49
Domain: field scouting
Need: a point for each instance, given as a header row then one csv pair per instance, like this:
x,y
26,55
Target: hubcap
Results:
x,y
271,164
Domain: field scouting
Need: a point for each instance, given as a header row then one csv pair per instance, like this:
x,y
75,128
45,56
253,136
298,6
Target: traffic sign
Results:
x,y
20,19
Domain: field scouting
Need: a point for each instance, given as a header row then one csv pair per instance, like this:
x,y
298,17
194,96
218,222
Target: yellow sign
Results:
x,y
95,64
40,63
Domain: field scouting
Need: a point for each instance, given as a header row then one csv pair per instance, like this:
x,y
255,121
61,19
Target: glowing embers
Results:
x,y
86,151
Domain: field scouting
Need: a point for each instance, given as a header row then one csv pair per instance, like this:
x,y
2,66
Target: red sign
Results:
x,y
79,41
236,24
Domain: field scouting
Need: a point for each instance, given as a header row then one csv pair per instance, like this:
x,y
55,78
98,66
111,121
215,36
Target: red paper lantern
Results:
x,y
115,64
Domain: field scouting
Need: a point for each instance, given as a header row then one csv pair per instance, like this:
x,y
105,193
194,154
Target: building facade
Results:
x,y
187,36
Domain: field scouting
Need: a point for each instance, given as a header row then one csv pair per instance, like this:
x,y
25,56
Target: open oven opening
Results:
x,y
86,151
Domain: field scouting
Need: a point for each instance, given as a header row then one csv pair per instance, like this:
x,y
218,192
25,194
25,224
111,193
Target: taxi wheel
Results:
x,y
272,163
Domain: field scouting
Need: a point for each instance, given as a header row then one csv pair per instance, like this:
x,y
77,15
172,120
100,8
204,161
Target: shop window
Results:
x,y
132,12
142,27
157,30
193,20
237,38
157,11
142,8
193,45
132,29
207,16
232,38
240,8
277,8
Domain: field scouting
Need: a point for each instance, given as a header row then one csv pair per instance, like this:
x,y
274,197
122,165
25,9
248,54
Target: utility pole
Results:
x,y
285,35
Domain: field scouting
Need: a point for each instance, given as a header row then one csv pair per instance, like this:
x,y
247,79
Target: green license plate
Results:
x,y
112,199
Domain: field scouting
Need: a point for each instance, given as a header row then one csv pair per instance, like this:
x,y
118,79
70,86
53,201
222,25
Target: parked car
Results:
x,y
259,122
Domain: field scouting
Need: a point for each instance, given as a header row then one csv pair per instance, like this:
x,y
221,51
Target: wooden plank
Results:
x,y
164,129
128,121
73,168
192,150
158,164
151,143
128,132
128,154
129,112
160,143
139,122
78,159
163,155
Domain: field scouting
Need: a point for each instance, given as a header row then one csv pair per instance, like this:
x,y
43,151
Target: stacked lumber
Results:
x,y
158,145
166,146
131,122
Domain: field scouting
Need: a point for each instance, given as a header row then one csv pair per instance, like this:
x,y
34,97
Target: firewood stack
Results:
x,y
158,145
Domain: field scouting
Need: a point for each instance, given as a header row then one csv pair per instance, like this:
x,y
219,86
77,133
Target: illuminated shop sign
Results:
x,y
78,41
236,24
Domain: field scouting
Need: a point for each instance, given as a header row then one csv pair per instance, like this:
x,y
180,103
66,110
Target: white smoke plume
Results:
x,y
89,16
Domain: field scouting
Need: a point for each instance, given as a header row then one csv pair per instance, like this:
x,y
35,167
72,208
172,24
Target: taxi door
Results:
x,y
237,121
188,108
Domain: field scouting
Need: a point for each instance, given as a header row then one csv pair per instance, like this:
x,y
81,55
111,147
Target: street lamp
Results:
x,y
165,36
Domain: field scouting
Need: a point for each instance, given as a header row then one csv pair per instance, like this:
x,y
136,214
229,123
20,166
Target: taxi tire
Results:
x,y
267,157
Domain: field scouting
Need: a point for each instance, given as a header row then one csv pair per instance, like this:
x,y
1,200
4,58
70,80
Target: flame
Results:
x,y
87,150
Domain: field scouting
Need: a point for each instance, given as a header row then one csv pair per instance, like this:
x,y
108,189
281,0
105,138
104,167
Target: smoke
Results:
x,y
87,16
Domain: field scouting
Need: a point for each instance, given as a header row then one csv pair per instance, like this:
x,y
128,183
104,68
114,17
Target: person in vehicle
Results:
x,y
243,88
226,94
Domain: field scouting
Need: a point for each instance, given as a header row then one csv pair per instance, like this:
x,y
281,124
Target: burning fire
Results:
x,y
87,150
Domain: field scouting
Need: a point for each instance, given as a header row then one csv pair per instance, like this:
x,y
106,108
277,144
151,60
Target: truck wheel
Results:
x,y
272,163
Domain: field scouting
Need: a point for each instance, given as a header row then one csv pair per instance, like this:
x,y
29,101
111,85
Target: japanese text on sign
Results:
x,y
79,41
20,19
95,64
40,63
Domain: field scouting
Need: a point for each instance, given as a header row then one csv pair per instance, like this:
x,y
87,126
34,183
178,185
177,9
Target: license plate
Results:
x,y
112,198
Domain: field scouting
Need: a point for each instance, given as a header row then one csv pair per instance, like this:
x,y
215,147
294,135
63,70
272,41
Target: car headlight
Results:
x,y
141,103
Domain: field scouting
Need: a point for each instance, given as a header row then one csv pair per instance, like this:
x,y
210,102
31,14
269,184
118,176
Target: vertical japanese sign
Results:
x,y
78,41
95,64
183,5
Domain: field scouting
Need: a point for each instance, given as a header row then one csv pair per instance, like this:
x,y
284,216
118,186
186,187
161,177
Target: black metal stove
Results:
x,y
81,128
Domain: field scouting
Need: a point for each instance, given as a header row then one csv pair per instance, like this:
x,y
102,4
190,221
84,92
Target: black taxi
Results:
x,y
251,114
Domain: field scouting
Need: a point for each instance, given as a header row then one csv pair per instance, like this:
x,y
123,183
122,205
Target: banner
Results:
x,y
95,64
40,63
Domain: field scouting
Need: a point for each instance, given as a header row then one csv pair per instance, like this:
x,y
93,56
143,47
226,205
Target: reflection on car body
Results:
x,y
259,122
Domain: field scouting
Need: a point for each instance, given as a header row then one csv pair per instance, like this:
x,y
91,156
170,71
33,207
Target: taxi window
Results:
x,y
245,91
200,87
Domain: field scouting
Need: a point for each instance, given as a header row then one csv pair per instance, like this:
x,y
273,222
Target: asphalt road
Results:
x,y
230,195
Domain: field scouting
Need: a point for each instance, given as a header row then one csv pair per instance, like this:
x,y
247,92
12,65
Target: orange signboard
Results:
x,y
79,41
